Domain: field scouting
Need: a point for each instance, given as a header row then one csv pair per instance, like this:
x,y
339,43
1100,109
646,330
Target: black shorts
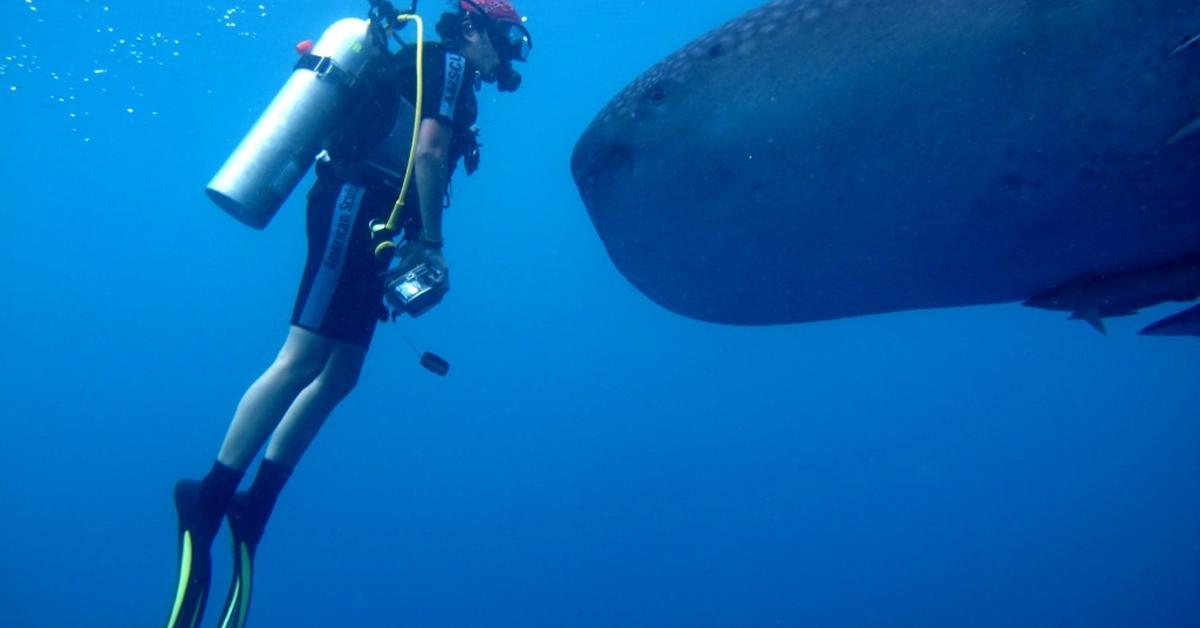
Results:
x,y
341,292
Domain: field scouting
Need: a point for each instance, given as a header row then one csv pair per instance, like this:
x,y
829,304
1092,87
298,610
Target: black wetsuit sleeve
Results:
x,y
449,89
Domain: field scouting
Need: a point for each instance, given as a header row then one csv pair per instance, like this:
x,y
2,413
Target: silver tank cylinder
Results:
x,y
280,147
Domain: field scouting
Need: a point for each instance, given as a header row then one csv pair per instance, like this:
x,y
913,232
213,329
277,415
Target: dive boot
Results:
x,y
248,513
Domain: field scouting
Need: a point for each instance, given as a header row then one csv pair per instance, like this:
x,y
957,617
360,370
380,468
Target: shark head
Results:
x,y
816,159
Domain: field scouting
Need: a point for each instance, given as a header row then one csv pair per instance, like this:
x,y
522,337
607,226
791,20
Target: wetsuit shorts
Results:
x,y
341,291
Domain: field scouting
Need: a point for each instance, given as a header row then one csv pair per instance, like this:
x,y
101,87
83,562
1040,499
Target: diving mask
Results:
x,y
511,40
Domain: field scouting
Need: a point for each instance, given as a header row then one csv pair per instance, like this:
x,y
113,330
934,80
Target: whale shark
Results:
x,y
1096,297
822,159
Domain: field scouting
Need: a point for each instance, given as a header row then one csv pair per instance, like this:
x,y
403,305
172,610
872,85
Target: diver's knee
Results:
x,y
340,382
300,366
303,356
342,371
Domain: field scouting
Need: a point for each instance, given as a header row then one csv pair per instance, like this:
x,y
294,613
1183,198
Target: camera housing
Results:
x,y
416,290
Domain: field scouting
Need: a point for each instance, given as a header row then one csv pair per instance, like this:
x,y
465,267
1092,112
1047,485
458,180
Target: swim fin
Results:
x,y
195,560
248,513
246,536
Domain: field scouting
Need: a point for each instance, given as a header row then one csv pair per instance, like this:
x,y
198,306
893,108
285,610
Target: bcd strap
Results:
x,y
325,68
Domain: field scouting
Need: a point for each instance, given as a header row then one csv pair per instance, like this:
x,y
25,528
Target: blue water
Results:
x,y
592,460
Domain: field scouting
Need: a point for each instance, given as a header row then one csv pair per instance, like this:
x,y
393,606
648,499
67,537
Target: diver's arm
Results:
x,y
432,170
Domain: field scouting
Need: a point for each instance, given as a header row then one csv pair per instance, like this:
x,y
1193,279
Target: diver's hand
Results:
x,y
418,251
416,292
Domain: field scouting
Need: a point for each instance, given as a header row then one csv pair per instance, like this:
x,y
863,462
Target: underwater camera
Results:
x,y
415,290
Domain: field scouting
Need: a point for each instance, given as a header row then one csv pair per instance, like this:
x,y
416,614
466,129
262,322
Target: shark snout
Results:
x,y
596,165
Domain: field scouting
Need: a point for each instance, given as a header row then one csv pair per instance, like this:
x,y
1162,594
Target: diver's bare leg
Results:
x,y
315,403
301,360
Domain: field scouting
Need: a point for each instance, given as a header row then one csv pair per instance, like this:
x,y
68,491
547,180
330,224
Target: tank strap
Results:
x,y
357,172
326,68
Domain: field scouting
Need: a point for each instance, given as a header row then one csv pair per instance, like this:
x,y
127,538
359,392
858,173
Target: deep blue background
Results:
x,y
592,461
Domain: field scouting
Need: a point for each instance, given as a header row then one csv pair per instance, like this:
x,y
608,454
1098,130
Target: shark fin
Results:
x,y
1093,318
1190,128
1187,43
1185,323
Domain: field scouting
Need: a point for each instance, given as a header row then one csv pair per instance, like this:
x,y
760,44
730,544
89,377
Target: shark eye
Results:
x,y
658,98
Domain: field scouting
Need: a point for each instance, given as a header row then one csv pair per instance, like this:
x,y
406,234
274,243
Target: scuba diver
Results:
x,y
384,169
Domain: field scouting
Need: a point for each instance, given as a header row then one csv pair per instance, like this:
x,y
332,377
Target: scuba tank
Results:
x,y
281,146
